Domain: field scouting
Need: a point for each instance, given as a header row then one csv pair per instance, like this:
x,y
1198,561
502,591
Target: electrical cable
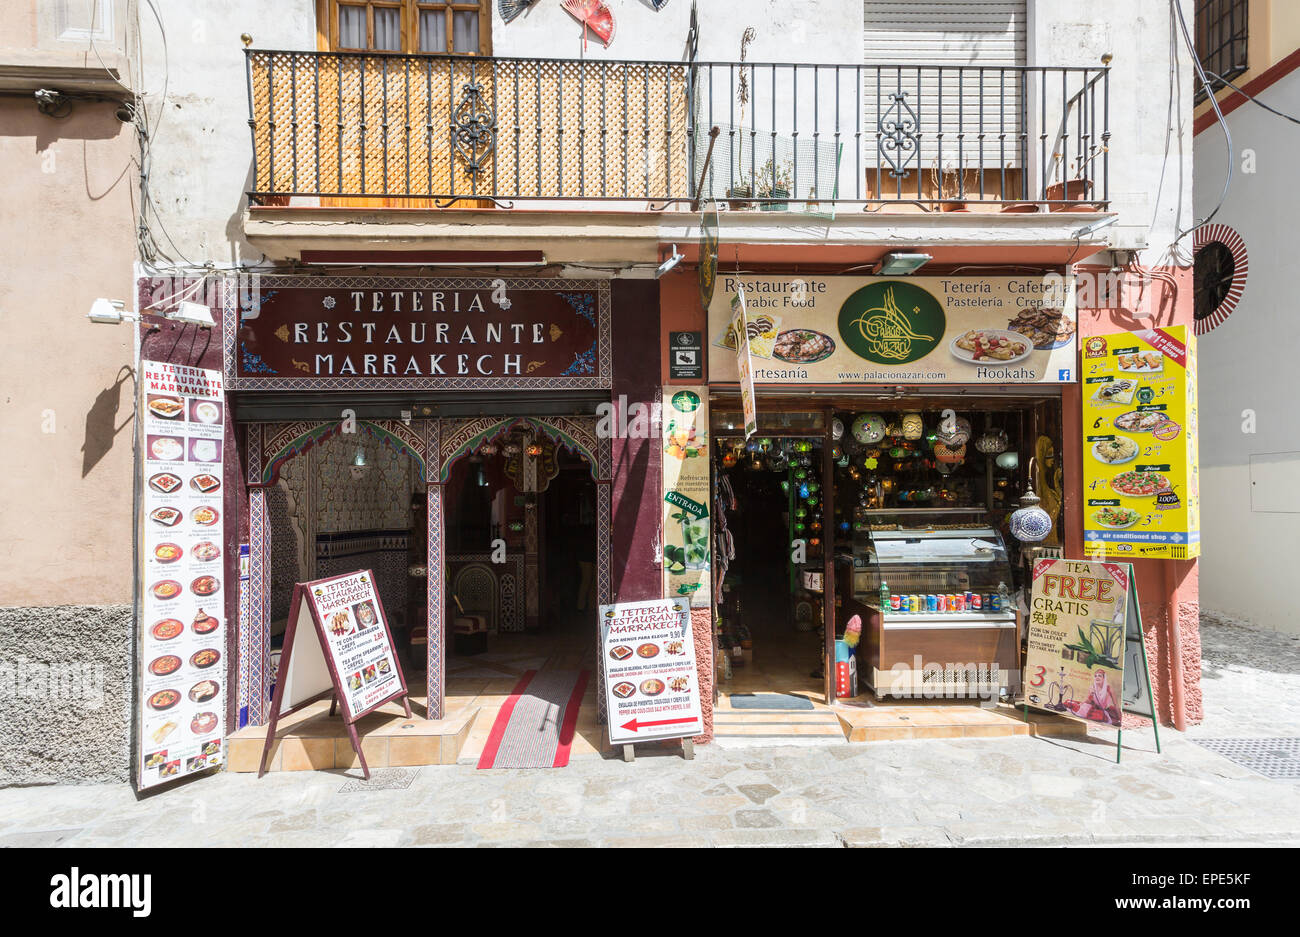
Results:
x,y
1250,97
1227,134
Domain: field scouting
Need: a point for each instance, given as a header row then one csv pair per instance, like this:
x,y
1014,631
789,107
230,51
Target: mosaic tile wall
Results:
x,y
379,500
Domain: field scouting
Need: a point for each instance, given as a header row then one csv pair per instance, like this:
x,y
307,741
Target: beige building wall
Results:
x,y
1273,34
68,183
66,399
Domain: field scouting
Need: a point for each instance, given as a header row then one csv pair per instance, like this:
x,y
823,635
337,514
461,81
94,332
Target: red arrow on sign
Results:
x,y
637,726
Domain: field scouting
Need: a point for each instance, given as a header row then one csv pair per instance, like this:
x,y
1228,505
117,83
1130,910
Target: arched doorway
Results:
x,y
434,447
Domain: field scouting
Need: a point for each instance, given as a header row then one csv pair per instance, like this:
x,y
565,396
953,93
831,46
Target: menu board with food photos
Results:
x,y
651,684
356,641
337,643
1140,474
182,700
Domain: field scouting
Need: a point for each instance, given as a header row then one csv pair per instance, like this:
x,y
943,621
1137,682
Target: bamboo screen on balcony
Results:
x,y
386,126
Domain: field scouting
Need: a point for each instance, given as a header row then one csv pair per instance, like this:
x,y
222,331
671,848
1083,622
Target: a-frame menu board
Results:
x,y
351,656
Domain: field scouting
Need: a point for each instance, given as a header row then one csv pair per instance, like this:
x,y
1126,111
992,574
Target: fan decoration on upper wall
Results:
x,y
1220,272
593,15
512,8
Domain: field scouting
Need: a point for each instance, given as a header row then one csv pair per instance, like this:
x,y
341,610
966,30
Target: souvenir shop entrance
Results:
x,y
874,501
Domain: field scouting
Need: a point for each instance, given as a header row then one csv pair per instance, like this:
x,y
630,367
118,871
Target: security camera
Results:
x,y
109,312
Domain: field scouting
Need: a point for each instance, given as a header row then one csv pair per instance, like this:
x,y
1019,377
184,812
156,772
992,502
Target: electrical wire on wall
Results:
x,y
1227,134
1252,98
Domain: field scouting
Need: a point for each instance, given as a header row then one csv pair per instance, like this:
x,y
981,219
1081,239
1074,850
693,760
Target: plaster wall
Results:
x,y
1249,426
1150,109
66,385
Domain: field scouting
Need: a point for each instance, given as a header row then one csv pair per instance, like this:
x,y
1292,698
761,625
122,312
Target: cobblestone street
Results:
x,y
967,792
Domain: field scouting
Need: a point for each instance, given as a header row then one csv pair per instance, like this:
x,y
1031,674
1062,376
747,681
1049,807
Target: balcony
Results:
x,y
373,131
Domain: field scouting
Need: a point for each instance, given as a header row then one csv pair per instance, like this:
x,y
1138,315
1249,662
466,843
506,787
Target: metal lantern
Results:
x,y
913,427
868,428
837,429
993,441
950,455
1008,460
958,434
1029,522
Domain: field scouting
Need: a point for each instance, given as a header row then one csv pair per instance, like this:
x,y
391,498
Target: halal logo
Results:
x,y
686,402
892,322
1096,347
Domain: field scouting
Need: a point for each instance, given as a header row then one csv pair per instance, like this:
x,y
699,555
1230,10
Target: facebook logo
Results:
x,y
1063,374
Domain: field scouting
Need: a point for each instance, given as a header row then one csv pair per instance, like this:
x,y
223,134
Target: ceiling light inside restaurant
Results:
x,y
896,264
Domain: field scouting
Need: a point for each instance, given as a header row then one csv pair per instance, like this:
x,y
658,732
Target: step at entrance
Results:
x,y
777,726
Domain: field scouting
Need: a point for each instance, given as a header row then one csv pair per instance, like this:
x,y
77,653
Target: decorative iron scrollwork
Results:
x,y
474,134
897,133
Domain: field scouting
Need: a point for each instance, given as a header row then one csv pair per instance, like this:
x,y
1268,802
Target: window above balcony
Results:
x,y
457,27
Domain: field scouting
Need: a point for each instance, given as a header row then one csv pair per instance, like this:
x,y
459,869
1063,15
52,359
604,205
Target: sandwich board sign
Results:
x,y
337,644
651,685
1084,633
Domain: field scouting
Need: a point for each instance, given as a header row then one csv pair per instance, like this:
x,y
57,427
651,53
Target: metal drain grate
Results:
x,y
1277,758
381,779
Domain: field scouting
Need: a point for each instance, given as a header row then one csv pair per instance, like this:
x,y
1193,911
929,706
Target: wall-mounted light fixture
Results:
x,y
898,264
671,262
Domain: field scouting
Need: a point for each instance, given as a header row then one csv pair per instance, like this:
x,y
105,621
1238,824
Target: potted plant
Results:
x,y
742,192
1070,190
947,183
774,182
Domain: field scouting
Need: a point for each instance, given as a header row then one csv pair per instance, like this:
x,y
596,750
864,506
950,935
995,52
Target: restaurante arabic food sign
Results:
x,y
916,330
323,333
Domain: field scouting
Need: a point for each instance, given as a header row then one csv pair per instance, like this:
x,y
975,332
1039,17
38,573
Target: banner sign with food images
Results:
x,y
350,657
918,330
686,494
182,700
651,684
738,334
1140,474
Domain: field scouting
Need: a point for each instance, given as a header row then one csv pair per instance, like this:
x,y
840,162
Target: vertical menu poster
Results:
x,y
181,705
1140,473
686,494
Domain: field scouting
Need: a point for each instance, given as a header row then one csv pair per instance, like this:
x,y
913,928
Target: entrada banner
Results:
x,y
406,333
916,330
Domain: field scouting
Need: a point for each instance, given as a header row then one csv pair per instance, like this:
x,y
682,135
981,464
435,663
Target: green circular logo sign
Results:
x,y
684,401
892,322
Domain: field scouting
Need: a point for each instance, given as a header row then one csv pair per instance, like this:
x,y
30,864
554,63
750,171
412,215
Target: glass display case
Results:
x,y
935,586
929,553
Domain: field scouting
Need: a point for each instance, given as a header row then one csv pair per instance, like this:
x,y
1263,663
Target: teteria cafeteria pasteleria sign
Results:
x,y
916,330
322,333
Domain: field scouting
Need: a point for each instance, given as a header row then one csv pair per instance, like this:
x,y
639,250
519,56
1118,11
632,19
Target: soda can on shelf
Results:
x,y
931,603
916,603
976,603
895,602
961,603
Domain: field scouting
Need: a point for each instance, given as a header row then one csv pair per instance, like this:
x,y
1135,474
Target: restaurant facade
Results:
x,y
472,331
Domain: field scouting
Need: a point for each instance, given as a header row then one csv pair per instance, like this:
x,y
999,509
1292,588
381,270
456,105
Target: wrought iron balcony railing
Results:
x,y
412,130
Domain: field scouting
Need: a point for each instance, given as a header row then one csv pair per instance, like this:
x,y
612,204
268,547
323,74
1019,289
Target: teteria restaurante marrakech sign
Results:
x,y
382,333
920,330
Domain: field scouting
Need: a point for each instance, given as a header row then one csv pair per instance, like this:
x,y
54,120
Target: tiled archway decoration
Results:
x,y
293,439
269,446
461,437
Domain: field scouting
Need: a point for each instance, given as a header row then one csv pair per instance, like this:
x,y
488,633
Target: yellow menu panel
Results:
x,y
1140,481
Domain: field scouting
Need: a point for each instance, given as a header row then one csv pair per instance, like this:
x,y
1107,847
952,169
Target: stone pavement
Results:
x,y
1015,791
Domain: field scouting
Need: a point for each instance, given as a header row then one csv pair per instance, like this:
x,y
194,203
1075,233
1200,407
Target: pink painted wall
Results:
x,y
1168,590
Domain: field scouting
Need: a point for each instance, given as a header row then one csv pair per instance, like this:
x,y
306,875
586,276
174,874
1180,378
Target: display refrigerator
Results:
x,y
921,640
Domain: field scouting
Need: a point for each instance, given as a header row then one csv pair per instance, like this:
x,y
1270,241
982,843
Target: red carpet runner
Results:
x,y
536,724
